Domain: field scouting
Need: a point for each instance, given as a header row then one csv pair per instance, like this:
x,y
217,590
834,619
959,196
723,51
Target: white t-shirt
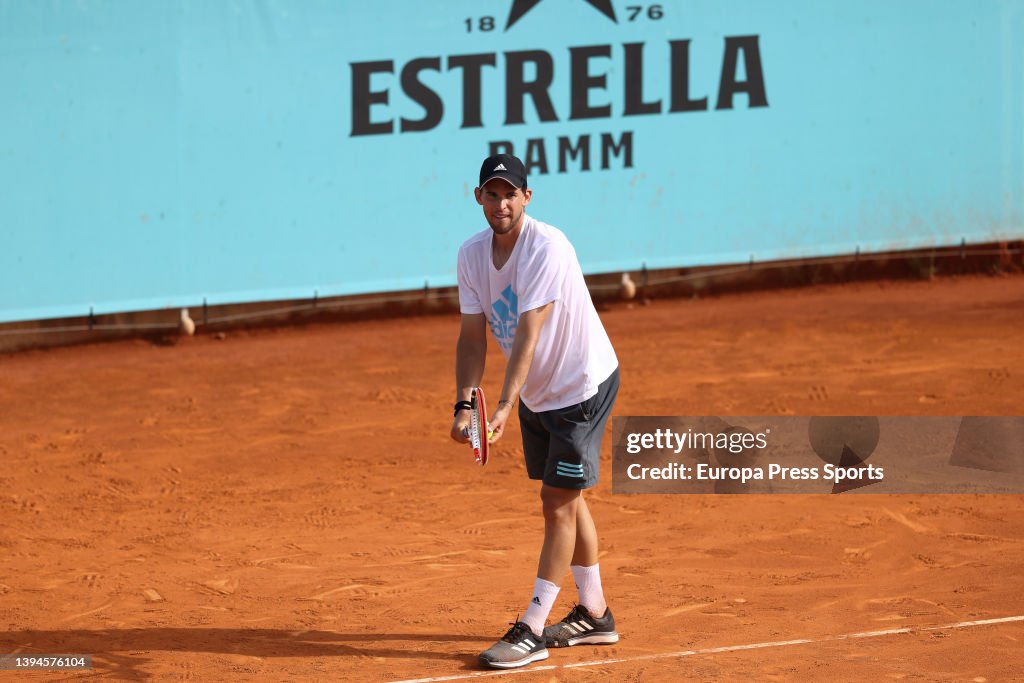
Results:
x,y
573,354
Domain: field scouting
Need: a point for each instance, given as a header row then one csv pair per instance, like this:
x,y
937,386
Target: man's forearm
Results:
x,y
470,358
520,359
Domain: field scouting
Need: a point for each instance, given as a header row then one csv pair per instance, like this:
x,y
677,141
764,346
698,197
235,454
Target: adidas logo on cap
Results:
x,y
504,166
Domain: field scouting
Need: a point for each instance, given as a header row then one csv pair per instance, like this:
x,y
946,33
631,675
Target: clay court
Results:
x,y
286,504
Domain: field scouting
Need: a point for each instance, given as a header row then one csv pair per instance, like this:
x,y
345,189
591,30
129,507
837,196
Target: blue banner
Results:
x,y
153,154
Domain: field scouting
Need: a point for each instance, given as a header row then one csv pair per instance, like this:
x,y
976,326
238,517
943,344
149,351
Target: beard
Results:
x,y
503,226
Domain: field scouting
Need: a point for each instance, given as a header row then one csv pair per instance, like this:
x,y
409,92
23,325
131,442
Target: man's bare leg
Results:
x,y
585,570
585,553
560,524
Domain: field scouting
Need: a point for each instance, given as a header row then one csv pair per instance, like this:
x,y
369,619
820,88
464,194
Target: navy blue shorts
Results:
x,y
563,446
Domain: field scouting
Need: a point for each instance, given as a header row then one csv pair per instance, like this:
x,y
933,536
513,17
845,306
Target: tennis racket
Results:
x,y
478,435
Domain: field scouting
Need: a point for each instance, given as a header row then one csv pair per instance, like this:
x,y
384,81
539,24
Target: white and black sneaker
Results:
x,y
580,628
518,647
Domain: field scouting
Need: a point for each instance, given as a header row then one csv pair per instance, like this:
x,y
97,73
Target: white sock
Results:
x,y
544,594
588,583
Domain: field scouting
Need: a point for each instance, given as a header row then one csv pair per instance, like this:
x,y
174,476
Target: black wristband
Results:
x,y
462,405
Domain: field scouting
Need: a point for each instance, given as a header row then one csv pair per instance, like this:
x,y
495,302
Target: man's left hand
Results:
x,y
496,426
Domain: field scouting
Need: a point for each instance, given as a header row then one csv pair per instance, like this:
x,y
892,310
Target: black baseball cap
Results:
x,y
504,166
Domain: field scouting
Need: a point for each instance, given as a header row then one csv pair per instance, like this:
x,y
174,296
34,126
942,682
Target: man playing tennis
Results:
x,y
521,278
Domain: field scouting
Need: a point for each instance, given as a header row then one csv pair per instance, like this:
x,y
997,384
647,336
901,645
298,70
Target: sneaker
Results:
x,y
580,628
518,647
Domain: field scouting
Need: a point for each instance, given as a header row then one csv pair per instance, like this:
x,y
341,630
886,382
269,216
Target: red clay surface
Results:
x,y
286,505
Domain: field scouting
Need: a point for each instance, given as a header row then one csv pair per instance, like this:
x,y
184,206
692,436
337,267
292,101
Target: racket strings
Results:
x,y
474,427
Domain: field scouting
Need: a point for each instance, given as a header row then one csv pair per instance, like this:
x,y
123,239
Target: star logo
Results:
x,y
521,7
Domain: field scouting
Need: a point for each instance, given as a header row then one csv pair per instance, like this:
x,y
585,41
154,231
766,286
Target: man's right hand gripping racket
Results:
x,y
478,434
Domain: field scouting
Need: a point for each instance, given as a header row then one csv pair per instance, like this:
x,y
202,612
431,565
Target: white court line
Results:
x,y
712,650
